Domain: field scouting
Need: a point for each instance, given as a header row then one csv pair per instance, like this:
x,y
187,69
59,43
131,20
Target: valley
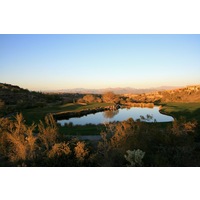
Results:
x,y
32,116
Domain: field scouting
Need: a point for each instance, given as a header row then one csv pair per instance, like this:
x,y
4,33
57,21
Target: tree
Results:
x,y
89,98
109,114
110,97
98,99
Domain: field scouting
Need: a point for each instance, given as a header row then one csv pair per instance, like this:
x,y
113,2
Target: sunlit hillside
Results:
x,y
186,94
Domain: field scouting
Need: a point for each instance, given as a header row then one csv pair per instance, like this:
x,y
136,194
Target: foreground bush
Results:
x,y
127,143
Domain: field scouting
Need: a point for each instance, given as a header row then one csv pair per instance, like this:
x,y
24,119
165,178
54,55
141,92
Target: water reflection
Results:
x,y
109,114
146,118
143,114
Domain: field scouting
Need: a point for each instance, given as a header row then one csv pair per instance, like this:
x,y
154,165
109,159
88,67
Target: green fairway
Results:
x,y
89,129
36,114
188,110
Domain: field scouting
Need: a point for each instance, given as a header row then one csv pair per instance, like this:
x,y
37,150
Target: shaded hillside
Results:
x,y
14,98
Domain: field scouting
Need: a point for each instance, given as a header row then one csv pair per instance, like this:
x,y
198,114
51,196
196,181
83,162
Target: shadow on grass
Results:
x,y
188,114
190,111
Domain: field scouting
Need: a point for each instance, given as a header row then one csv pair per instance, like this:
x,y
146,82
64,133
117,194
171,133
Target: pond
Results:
x,y
144,114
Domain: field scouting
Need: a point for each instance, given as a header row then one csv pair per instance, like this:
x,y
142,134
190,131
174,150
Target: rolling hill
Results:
x,y
118,90
13,98
186,94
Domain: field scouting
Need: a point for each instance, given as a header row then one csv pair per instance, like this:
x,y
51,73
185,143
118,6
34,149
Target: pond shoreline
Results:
x,y
101,115
68,115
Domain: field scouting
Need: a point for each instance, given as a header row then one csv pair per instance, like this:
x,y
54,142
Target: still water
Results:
x,y
144,114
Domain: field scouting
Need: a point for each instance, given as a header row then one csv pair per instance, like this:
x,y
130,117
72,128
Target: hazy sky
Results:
x,y
41,62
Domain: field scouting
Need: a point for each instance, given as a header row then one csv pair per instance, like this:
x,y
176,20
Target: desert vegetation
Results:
x,y
127,143
187,94
30,136
15,99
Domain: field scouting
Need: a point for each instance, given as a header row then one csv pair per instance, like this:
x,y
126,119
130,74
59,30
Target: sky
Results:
x,y
53,62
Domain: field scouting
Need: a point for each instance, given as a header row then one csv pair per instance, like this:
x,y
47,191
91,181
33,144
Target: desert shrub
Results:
x,y
18,142
134,157
59,149
171,144
81,151
48,132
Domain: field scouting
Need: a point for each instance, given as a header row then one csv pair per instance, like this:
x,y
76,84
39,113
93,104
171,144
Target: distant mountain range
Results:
x,y
118,90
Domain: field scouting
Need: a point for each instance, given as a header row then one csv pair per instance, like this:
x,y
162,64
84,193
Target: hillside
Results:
x,y
12,95
117,90
187,94
13,98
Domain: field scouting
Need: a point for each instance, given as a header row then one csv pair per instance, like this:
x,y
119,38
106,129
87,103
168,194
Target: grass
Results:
x,y
37,114
188,110
82,130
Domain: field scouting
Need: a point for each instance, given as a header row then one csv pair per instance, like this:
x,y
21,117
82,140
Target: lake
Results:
x,y
144,114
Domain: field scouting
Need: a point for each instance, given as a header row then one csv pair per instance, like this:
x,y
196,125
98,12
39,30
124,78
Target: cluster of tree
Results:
x,y
90,98
141,105
127,143
108,97
69,97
